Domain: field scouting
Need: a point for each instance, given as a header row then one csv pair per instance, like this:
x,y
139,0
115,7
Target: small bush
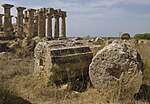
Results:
x,y
142,36
125,36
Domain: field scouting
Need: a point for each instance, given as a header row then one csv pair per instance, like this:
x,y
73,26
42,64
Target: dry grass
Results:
x,y
144,50
19,85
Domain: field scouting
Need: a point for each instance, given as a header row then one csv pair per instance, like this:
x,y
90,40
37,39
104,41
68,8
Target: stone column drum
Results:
x,y
31,22
1,22
41,28
56,34
7,20
20,17
63,27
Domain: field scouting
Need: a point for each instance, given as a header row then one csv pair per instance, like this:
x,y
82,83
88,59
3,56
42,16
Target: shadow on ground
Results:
x,y
13,100
144,93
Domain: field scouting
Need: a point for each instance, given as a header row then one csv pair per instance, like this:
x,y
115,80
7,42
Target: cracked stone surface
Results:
x,y
116,72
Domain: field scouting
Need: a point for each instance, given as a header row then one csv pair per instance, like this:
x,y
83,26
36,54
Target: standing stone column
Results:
x,y
20,17
49,26
41,28
44,15
31,22
56,34
1,21
49,22
7,20
26,16
12,26
36,25
63,27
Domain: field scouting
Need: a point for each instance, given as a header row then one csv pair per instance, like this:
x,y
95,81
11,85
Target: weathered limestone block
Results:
x,y
116,72
59,60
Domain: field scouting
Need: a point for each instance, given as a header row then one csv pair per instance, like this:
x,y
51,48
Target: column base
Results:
x,y
8,34
49,38
62,38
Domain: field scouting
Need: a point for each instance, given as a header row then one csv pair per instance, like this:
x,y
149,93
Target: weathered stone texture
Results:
x,y
7,20
63,25
36,25
1,22
116,72
59,60
50,12
41,23
31,23
57,16
20,17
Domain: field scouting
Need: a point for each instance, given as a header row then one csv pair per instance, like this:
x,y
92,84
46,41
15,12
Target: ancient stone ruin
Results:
x,y
61,60
116,72
33,22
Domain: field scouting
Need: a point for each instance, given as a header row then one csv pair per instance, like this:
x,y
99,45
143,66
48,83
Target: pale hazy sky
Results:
x,y
96,17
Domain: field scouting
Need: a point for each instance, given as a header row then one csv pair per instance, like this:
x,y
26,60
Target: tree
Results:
x,y
125,36
142,36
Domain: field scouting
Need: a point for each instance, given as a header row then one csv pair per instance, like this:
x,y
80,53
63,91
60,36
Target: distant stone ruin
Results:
x,y
33,22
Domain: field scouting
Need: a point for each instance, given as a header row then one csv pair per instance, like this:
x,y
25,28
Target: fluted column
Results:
x,y
31,22
1,21
36,25
44,17
12,27
56,34
26,17
63,27
49,26
7,20
50,12
20,17
41,28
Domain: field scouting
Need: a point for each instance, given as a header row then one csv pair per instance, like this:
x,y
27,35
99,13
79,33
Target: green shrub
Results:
x,y
142,36
125,36
79,38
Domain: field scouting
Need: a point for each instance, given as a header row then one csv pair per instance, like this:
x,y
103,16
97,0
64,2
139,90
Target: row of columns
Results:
x,y
35,19
50,13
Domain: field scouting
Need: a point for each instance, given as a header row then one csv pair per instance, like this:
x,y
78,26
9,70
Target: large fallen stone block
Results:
x,y
116,72
59,60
